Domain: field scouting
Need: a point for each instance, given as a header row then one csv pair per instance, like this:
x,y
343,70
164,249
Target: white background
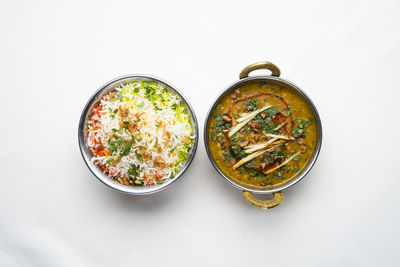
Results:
x,y
53,56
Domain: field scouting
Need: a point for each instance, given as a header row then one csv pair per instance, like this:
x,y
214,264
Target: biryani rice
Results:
x,y
140,133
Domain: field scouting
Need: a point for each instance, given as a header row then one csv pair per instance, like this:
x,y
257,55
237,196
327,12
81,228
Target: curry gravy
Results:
x,y
289,110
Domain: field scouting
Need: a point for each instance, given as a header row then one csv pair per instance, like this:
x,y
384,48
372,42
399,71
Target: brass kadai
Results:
x,y
275,79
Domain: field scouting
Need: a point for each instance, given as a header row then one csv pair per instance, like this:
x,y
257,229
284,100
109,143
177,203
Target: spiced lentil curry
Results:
x,y
261,134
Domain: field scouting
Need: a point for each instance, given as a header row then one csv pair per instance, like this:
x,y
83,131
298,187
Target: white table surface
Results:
x,y
53,56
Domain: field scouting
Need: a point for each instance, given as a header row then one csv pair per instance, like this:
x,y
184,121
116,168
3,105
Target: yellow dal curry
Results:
x,y
261,134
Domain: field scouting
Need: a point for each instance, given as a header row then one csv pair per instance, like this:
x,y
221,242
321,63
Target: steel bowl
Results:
x,y
86,153
275,79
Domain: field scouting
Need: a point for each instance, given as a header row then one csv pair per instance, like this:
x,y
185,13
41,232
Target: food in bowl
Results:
x,y
261,134
140,133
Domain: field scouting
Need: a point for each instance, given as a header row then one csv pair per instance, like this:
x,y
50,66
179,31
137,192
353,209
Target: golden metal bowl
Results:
x,y
275,79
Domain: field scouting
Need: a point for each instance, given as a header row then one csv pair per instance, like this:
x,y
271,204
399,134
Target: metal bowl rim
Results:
x,y
81,137
317,148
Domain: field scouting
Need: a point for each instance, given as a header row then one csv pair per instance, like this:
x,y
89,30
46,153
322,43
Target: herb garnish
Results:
x,y
251,103
138,156
272,111
128,147
133,170
299,131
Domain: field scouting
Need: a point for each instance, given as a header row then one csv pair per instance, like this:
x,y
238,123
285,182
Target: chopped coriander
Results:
x,y
149,90
272,111
237,151
138,156
253,173
133,170
299,131
156,107
128,147
227,156
218,117
267,158
141,105
251,103
138,182
306,123
276,154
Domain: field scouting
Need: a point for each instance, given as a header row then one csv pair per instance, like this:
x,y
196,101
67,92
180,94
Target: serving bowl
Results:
x,y
83,130
276,190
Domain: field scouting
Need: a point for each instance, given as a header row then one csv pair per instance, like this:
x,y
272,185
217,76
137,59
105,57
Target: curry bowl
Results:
x,y
263,134
138,134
